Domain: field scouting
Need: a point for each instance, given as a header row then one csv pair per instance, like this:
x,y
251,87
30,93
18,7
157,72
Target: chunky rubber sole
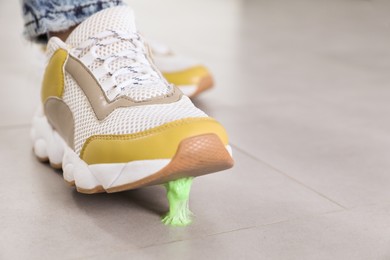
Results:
x,y
195,156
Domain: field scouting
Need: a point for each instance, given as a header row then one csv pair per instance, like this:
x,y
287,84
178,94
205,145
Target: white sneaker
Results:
x,y
190,76
110,119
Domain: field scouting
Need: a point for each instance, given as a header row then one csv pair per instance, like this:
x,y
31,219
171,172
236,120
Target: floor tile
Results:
x,y
313,102
21,69
40,212
358,234
302,88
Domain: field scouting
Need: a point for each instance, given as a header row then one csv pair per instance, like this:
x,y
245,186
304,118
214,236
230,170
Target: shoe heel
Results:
x,y
47,144
76,172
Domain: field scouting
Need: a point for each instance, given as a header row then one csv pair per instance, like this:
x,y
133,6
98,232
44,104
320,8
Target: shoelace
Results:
x,y
140,72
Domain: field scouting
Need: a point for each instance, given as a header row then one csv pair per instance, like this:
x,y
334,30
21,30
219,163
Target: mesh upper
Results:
x,y
115,18
118,19
127,120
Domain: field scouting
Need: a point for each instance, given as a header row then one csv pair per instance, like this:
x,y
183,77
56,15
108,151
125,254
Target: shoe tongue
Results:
x,y
120,18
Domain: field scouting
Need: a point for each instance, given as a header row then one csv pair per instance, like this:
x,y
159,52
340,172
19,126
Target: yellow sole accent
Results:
x,y
204,84
157,143
191,76
53,79
195,156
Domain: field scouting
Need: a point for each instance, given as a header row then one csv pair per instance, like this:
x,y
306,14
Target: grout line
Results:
x,y
309,216
288,176
141,248
278,222
245,228
196,238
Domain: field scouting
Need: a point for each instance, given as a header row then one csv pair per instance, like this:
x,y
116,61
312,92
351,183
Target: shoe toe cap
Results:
x,y
160,142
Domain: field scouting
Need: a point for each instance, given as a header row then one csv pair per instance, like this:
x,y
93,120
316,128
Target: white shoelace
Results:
x,y
138,72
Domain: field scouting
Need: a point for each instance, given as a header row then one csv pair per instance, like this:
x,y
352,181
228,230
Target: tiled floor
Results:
x,y
303,89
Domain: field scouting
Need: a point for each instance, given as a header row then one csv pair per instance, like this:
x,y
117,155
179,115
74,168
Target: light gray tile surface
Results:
x,y
21,67
302,87
358,234
44,211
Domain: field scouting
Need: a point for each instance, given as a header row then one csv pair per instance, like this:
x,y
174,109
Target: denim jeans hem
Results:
x,y
42,16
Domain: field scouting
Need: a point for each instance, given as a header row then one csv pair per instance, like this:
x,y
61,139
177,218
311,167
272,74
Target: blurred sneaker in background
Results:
x,y
190,76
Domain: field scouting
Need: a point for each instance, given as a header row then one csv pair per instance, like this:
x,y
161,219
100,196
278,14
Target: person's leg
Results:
x,y
46,18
